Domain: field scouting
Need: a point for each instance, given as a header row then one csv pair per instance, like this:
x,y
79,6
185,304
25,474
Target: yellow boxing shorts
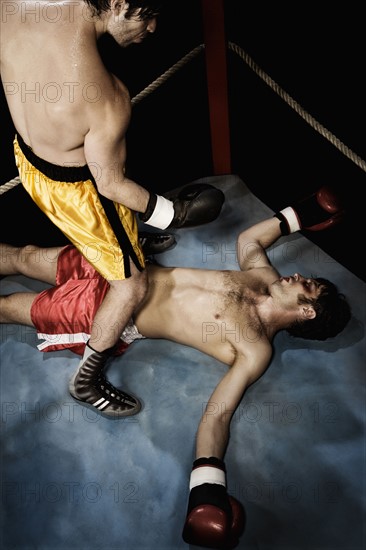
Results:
x,y
104,232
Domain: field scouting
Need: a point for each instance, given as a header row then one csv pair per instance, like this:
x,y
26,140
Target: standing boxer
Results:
x,y
71,116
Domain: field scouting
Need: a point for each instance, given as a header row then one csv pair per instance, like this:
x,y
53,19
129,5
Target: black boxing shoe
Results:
x,y
156,243
90,387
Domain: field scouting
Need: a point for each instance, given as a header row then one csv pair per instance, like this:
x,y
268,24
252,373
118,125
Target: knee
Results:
x,y
5,309
140,287
133,289
13,258
3,302
29,261
28,254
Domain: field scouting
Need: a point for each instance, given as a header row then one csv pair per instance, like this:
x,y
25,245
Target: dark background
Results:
x,y
315,51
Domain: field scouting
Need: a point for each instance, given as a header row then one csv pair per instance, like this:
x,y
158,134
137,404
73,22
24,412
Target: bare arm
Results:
x,y
105,149
212,515
214,428
252,243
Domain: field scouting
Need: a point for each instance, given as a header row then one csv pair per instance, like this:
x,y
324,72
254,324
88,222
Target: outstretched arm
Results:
x,y
214,427
214,518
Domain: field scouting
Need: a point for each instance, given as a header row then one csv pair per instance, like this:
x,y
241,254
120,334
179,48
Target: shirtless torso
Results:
x,y
63,101
53,76
213,311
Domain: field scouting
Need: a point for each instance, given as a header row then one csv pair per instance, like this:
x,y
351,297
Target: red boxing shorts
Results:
x,y
63,315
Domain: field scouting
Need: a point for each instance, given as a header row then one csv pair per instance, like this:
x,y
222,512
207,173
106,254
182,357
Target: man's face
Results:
x,y
289,288
129,31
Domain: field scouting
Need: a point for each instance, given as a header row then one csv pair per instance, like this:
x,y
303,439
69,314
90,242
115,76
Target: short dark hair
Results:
x,y
148,8
332,314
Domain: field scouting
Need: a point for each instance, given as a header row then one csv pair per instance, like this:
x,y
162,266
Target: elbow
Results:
x,y
111,184
105,189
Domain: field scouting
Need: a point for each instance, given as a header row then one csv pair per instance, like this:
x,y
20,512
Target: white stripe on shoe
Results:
x,y
101,403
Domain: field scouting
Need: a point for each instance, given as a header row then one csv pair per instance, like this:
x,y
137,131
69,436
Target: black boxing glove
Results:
x,y
214,518
195,204
316,212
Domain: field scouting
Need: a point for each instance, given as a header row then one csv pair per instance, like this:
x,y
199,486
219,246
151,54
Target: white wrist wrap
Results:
x,y
207,474
291,219
163,213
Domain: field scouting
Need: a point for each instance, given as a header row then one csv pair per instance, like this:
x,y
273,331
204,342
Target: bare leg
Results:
x,y
116,310
16,307
31,261
88,384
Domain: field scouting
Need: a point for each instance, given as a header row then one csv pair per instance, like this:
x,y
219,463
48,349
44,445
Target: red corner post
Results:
x,y
213,18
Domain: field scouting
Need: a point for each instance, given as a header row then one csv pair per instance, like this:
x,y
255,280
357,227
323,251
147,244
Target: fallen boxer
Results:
x,y
180,302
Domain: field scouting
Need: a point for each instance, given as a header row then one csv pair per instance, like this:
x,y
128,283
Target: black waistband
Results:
x,y
55,172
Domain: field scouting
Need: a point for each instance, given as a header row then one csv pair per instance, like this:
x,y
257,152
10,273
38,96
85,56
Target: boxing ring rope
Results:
x,y
167,74
346,151
297,108
9,185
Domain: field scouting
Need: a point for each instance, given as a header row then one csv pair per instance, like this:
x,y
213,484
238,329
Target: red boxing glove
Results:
x,y
316,212
214,518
